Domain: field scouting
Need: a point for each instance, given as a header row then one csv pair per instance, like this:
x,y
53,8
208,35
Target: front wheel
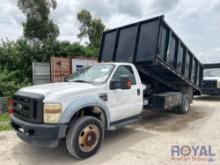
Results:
x,y
85,137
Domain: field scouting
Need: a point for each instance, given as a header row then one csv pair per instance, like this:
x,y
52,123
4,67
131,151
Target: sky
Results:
x,y
197,22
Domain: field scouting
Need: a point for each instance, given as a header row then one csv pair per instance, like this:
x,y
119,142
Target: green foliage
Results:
x,y
38,25
4,122
10,82
5,126
67,49
4,117
91,28
39,44
16,60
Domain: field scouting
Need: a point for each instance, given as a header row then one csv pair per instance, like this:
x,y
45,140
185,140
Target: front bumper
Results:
x,y
43,135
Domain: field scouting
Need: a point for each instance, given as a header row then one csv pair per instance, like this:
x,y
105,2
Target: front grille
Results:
x,y
209,84
28,107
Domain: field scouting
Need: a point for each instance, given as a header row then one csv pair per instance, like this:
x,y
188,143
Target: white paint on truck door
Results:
x,y
125,103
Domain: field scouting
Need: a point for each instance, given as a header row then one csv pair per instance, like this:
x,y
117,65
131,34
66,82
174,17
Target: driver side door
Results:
x,y
124,103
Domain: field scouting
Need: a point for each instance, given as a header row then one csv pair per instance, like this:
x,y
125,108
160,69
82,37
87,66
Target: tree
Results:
x,y
9,83
38,25
16,59
91,28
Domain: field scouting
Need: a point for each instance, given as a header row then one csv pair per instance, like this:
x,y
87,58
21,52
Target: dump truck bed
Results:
x,y
156,50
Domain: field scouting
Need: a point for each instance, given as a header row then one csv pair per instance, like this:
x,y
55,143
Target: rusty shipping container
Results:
x,y
60,68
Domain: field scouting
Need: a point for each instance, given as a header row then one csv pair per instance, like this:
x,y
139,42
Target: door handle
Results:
x,y
138,92
103,96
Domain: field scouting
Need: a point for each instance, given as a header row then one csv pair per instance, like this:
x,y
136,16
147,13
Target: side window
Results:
x,y
124,70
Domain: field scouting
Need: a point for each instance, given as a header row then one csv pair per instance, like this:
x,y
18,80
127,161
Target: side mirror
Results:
x,y
124,83
115,85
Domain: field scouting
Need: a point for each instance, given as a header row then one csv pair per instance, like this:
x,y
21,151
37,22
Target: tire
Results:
x,y
84,137
185,105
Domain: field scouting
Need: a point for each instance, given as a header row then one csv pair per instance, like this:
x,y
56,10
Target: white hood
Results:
x,y
47,89
65,92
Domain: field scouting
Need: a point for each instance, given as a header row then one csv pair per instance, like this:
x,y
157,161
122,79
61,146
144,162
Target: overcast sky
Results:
x,y
197,22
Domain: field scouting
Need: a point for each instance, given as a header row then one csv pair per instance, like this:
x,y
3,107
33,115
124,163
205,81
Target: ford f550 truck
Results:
x,y
144,64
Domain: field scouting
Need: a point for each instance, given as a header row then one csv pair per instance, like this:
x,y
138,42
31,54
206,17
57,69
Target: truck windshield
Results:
x,y
98,73
211,72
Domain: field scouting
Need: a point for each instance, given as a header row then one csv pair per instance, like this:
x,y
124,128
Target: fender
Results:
x,y
78,104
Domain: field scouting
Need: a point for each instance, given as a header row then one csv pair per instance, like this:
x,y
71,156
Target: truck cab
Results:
x,y
211,79
92,100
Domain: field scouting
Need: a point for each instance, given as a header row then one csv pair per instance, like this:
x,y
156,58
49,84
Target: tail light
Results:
x,y
10,107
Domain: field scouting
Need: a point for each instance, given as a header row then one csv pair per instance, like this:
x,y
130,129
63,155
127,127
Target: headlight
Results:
x,y
52,112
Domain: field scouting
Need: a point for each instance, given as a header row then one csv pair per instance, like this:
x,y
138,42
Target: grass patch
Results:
x,y
4,117
5,127
4,122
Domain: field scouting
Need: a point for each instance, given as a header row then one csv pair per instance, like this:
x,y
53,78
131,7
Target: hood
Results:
x,y
47,89
65,92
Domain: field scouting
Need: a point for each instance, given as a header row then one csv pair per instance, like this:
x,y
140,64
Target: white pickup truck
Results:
x,y
97,98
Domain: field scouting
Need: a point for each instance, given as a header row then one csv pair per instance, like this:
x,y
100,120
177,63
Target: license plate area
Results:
x,y
25,131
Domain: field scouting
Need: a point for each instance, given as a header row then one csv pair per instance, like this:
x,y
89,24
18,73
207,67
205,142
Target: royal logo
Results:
x,y
192,153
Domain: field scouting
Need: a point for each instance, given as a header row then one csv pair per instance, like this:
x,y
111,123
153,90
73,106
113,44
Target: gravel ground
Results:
x,y
146,142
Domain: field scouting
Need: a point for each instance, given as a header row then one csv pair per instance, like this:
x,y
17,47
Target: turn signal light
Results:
x,y
10,107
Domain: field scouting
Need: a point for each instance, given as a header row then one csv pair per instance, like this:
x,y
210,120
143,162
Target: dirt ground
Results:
x,y
146,142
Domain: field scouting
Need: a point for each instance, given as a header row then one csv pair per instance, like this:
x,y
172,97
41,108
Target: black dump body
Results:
x,y
162,59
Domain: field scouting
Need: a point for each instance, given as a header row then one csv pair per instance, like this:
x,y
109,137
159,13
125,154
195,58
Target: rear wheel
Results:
x,y
185,106
85,137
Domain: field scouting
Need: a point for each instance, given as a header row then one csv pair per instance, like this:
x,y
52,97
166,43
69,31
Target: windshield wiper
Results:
x,y
83,81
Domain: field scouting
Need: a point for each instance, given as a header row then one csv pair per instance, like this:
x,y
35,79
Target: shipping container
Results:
x,y
156,50
79,63
40,73
60,68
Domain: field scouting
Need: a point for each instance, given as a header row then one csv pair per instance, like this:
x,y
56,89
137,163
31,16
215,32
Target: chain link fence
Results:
x,y
3,104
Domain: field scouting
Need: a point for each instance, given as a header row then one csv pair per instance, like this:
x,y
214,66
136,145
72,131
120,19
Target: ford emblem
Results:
x,y
19,107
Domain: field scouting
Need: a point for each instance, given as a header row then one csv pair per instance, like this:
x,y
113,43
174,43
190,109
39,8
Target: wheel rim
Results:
x,y
88,138
186,105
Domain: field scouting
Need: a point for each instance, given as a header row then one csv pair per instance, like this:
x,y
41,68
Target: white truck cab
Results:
x,y
91,100
211,79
